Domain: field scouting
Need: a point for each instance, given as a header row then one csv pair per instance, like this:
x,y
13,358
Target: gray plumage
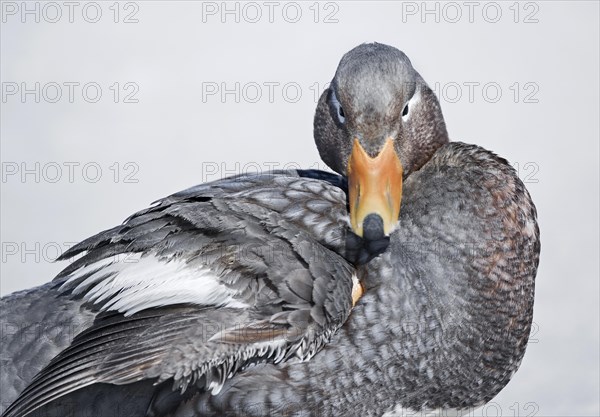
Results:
x,y
286,291
445,319
443,323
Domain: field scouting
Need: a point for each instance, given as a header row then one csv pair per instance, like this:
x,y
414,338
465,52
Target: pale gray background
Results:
x,y
171,132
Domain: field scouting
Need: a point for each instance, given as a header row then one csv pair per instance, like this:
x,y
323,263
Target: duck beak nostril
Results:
x,y
375,187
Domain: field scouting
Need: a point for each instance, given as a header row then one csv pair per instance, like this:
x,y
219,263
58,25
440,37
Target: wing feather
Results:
x,y
205,283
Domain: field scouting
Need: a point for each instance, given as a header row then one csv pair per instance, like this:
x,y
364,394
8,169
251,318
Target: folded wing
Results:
x,y
203,284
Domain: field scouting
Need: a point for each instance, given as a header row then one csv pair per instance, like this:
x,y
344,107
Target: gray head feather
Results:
x,y
376,94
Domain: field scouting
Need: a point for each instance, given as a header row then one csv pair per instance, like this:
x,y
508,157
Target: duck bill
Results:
x,y
375,186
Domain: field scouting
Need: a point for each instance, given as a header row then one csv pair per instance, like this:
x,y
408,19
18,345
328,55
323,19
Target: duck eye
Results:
x,y
405,111
338,107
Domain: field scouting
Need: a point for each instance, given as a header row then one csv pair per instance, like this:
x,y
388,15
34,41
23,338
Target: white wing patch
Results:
x,y
136,282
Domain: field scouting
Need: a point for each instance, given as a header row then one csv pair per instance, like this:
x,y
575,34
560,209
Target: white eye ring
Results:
x,y
409,107
338,107
406,111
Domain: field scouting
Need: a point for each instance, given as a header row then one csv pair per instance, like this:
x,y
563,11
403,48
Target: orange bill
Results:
x,y
375,186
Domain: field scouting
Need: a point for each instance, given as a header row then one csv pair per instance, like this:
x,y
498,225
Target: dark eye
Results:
x,y
338,108
405,111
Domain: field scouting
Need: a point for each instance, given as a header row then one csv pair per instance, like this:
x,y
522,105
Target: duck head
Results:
x,y
376,124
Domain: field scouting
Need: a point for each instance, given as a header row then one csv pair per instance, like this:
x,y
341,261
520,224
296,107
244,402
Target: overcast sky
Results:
x,y
107,108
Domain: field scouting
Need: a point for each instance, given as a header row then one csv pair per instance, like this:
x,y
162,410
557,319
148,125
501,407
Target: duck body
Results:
x,y
443,323
253,296
446,333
